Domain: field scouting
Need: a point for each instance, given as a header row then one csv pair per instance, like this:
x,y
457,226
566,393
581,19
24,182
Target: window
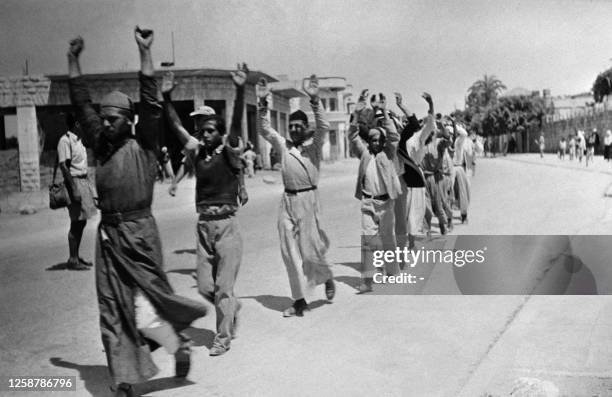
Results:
x,y
333,104
324,102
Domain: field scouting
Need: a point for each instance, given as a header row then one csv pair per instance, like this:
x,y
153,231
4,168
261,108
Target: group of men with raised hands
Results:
x,y
408,171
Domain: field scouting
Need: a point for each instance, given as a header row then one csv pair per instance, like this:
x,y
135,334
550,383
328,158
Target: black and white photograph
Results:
x,y
306,198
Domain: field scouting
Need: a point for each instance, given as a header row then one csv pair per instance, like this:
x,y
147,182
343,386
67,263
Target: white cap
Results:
x,y
203,111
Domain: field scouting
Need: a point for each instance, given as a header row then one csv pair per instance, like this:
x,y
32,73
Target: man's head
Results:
x,y
298,127
376,140
117,112
72,124
210,130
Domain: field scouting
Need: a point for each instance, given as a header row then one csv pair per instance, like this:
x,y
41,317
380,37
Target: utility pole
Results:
x,y
168,63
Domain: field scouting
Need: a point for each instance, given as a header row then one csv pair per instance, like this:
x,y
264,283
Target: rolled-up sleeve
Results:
x,y
268,133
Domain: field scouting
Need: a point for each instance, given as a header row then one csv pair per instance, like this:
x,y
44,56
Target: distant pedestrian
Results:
x,y
249,158
72,159
562,148
541,145
572,147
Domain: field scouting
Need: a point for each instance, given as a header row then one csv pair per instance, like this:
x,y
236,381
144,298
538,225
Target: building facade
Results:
x,y
32,110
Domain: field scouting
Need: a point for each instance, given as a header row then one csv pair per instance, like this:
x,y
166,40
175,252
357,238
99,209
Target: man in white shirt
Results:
x,y
72,160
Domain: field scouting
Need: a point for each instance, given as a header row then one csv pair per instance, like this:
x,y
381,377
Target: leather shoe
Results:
x,y
330,289
297,309
365,287
217,350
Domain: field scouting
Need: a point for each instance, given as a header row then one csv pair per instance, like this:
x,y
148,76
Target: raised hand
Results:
x,y
240,75
429,101
168,83
312,88
398,99
364,95
373,101
262,90
144,38
382,101
76,46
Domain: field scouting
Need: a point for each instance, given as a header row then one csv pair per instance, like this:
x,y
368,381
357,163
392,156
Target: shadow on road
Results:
x,y
191,251
95,377
60,266
162,384
352,282
280,303
353,265
98,382
201,336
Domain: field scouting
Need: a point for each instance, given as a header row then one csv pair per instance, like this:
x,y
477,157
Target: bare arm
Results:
x,y
264,127
357,144
188,142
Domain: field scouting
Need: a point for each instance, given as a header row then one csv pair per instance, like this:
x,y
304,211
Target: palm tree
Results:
x,y
483,93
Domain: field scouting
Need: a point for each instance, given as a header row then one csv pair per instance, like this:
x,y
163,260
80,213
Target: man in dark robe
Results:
x,y
128,248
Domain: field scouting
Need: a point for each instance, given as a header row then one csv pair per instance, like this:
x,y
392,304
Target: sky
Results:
x,y
441,47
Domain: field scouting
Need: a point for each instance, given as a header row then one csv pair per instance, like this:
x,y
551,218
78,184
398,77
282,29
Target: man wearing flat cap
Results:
x,y
128,250
215,154
303,243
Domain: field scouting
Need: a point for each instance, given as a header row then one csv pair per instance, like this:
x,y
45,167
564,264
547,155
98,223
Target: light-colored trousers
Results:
x,y
461,184
219,252
410,208
417,204
378,233
303,242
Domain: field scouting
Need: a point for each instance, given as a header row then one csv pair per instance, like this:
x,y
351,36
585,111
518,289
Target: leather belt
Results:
x,y
382,197
296,191
120,217
80,176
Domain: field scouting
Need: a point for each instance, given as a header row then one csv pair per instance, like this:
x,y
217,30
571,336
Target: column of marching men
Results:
x,y
410,170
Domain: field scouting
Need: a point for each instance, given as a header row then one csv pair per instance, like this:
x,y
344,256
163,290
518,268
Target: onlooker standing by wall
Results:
x,y
72,160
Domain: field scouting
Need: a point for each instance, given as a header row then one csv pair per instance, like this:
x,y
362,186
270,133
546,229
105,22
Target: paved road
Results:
x,y
359,345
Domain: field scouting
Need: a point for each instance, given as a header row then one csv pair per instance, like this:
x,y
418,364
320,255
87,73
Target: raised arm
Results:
x,y
90,121
392,136
150,112
430,127
239,77
265,129
311,87
411,127
357,145
188,142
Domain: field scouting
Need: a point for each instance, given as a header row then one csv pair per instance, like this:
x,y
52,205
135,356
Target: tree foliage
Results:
x,y
488,114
